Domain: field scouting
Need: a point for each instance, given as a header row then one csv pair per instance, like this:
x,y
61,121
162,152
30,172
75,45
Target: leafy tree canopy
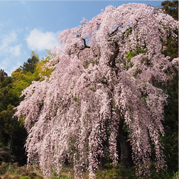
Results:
x,y
3,75
29,66
13,133
171,8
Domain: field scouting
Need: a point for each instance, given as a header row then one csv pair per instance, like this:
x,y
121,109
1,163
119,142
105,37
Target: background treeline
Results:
x,y
170,140
13,133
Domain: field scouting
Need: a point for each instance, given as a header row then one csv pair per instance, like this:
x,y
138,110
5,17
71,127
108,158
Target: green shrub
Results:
x,y
3,168
117,172
25,177
56,176
175,176
16,177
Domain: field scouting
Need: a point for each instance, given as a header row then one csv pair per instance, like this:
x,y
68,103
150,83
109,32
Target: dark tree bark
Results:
x,y
124,146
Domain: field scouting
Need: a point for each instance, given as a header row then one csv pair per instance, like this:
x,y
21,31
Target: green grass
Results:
x,y
13,171
109,171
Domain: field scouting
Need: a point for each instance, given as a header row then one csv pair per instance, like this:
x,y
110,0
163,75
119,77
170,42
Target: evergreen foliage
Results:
x,y
12,131
171,8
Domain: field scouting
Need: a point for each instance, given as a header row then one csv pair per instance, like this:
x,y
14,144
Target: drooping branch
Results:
x,y
83,47
112,62
84,44
114,32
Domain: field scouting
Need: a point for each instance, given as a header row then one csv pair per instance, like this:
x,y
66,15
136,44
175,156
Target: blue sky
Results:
x,y
35,25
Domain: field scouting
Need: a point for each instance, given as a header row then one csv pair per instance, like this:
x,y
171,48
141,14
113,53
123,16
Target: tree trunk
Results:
x,y
124,146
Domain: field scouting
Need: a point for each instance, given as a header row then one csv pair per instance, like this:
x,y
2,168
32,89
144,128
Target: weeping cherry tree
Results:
x,y
107,74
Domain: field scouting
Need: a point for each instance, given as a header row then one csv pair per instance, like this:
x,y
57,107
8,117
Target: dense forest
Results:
x,y
103,94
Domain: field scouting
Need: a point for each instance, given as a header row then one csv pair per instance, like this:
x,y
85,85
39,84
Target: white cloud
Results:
x,y
8,39
7,47
8,65
16,50
11,53
4,63
38,40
